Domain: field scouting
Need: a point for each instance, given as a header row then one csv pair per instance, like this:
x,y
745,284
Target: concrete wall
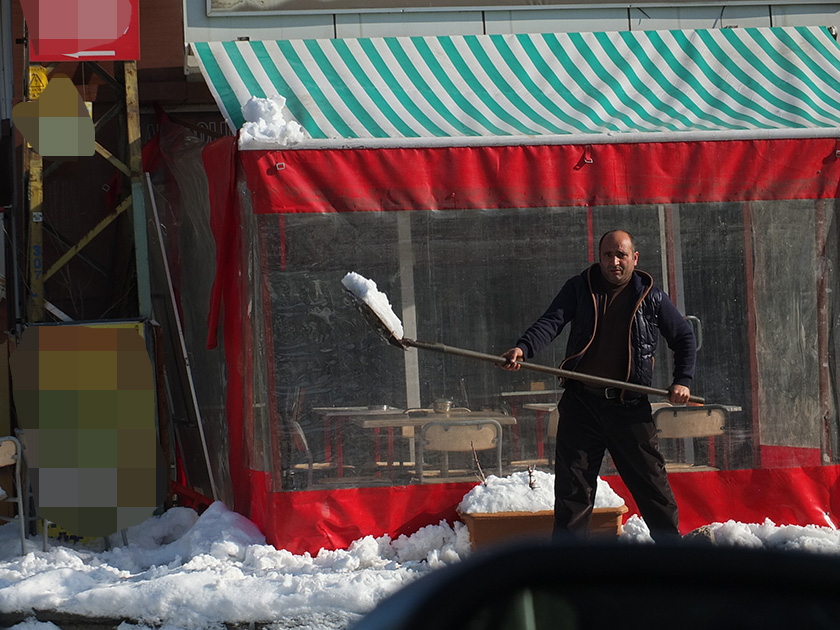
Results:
x,y
198,26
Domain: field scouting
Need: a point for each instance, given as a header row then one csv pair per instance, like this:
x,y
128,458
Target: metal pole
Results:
x,y
182,345
826,454
588,379
409,313
35,252
749,299
7,226
141,243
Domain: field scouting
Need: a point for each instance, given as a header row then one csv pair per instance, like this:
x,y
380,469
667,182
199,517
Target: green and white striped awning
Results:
x,y
530,87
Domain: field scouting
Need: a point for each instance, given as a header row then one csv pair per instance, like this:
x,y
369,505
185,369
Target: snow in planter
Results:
x,y
525,492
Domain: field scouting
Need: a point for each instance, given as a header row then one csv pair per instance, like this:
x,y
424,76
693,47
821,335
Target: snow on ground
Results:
x,y
181,571
184,571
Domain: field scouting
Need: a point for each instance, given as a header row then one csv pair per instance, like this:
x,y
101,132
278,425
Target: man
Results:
x,y
616,316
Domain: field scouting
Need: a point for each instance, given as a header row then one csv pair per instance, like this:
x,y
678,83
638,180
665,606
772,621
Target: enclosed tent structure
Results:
x,y
470,176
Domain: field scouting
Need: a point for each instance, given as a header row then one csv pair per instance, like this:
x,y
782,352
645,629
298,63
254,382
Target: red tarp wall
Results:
x,y
395,179
309,520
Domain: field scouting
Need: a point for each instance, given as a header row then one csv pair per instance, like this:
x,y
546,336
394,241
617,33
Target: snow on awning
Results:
x,y
536,88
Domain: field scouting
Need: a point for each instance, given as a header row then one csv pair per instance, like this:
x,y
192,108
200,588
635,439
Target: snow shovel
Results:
x,y
377,310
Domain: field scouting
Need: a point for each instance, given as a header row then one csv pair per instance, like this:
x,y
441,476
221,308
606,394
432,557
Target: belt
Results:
x,y
610,393
607,393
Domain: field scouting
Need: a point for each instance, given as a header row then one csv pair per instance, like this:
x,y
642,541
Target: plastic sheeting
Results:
x,y
742,235
333,518
180,188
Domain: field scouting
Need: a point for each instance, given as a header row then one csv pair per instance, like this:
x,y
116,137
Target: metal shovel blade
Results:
x,y
375,321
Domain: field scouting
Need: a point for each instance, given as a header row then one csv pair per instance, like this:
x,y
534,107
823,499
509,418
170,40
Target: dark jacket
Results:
x,y
578,303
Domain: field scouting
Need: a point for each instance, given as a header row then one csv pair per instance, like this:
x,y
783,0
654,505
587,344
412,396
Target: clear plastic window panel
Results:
x,y
333,398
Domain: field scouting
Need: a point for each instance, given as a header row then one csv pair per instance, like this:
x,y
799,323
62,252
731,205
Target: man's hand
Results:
x,y
513,355
678,394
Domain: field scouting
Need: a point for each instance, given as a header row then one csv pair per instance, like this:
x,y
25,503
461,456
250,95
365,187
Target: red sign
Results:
x,y
83,30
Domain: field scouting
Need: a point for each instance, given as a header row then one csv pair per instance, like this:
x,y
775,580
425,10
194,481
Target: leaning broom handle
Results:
x,y
595,381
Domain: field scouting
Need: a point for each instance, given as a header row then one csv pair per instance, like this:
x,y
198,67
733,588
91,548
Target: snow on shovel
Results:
x,y
378,311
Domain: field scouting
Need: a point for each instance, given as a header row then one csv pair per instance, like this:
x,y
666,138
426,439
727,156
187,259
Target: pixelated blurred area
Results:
x,y
83,29
85,401
57,123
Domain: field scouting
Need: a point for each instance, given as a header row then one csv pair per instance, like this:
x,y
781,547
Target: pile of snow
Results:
x,y
183,571
365,290
525,492
265,126
180,571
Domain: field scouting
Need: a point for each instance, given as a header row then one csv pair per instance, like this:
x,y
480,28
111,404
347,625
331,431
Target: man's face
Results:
x,y
617,259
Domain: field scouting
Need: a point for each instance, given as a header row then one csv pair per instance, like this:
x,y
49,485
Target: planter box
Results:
x,y
497,527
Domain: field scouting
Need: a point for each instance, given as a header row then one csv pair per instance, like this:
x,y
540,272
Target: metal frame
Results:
x,y
129,107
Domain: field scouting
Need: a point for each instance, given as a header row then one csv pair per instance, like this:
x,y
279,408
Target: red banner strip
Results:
x,y
351,180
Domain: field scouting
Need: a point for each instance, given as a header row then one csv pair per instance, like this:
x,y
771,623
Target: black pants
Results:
x,y
588,425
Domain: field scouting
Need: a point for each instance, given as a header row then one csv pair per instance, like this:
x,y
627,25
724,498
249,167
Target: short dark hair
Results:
x,y
606,234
